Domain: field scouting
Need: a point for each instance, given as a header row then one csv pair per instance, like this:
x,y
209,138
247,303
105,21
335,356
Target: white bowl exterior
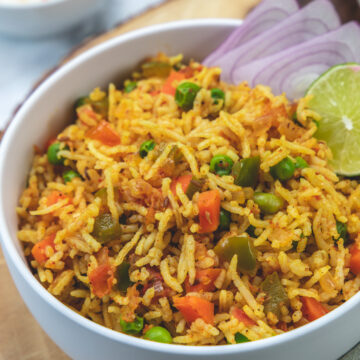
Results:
x,y
44,114
45,19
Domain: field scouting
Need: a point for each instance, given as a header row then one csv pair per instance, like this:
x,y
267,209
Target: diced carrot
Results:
x,y
39,250
312,309
209,211
169,87
56,196
184,180
205,279
101,278
355,259
192,308
241,316
104,133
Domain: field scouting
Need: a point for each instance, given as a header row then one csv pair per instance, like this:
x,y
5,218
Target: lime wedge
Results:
x,y
336,97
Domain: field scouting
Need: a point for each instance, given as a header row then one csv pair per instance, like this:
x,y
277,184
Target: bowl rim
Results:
x,y
11,252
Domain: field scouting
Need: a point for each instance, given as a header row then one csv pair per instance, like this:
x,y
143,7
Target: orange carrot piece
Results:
x,y
56,196
209,211
39,249
241,316
205,279
104,133
312,309
193,307
184,180
168,87
355,259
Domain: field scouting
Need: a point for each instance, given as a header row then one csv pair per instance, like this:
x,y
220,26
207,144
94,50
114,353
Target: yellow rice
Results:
x,y
169,242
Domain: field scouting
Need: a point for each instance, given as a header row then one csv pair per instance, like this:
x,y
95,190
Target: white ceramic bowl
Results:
x,y
45,18
43,115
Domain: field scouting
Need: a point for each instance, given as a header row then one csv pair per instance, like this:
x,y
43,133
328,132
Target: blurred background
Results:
x,y
45,38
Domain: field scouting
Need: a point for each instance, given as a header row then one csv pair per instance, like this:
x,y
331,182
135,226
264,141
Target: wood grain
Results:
x,y
20,335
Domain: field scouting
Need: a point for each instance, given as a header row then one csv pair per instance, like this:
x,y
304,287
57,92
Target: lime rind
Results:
x,y
336,95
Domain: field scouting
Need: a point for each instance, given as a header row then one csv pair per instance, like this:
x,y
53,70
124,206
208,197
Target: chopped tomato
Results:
x,y
355,259
312,309
168,87
101,278
209,211
49,142
56,196
154,92
39,249
104,133
192,308
204,280
184,180
241,316
282,325
187,71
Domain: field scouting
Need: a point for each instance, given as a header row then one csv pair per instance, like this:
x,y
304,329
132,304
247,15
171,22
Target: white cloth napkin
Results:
x,y
23,62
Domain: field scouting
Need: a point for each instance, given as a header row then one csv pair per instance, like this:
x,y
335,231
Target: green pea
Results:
x,y
242,246
122,276
70,175
106,228
268,203
185,95
240,338
284,170
130,86
81,101
342,231
221,164
225,220
217,95
133,327
246,171
156,68
159,334
146,147
53,151
300,163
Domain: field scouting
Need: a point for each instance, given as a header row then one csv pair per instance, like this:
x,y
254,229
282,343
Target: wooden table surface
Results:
x,y
20,335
